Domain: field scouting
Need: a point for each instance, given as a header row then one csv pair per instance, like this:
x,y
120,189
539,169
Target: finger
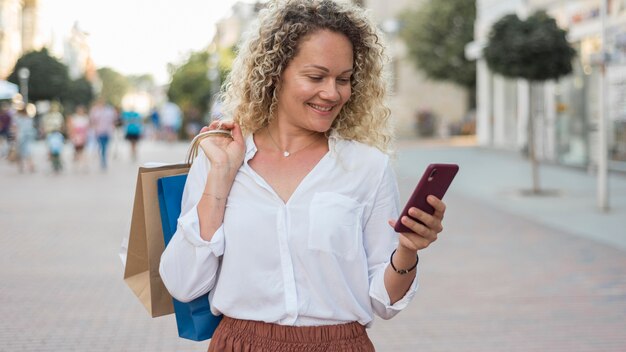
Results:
x,y
215,125
413,241
237,134
226,124
419,229
428,220
204,129
438,204
409,224
218,128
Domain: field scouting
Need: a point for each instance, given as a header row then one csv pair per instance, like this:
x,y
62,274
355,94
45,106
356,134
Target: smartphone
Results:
x,y
435,181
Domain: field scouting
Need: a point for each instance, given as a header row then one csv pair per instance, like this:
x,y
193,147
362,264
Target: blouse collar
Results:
x,y
251,148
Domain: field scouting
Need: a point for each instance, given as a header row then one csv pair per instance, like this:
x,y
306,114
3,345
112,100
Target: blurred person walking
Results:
x,y
53,126
78,132
155,125
6,122
133,127
55,142
171,120
52,120
194,123
103,117
25,134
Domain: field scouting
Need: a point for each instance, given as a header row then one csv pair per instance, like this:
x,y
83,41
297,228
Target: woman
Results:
x,y
289,223
78,128
25,137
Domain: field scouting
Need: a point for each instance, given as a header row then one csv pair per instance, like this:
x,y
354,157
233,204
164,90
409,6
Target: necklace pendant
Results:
x,y
286,154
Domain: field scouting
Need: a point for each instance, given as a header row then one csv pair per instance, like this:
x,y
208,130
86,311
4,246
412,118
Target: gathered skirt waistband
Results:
x,y
235,335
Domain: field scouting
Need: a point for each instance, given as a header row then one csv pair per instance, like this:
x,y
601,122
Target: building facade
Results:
x,y
565,112
411,91
18,32
77,55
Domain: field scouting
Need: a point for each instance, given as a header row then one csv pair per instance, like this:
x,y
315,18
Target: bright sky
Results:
x,y
136,36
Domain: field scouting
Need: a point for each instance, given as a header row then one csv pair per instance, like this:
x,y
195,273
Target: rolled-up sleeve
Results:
x,y
189,264
381,303
380,240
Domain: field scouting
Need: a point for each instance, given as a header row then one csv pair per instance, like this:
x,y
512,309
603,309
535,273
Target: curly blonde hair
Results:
x,y
250,93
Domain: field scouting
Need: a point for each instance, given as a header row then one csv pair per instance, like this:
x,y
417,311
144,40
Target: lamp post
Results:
x,y
603,194
23,74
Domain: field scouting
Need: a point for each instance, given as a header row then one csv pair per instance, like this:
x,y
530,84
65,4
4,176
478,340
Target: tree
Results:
x,y
114,86
144,82
48,76
78,92
436,34
190,86
535,49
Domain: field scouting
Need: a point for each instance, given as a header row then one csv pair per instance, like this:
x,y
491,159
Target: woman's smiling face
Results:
x,y
317,82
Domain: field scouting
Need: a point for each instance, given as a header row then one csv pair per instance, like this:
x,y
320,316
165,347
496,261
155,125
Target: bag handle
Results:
x,y
194,146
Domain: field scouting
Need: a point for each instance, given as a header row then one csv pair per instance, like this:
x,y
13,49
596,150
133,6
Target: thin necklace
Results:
x,y
285,152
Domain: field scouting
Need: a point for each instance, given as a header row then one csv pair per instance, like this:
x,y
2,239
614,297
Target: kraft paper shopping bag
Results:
x,y
193,319
146,241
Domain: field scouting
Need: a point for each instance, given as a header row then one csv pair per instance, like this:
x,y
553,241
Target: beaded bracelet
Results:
x,y
403,271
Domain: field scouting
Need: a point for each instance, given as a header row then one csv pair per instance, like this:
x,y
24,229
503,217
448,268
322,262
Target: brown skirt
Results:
x,y
235,335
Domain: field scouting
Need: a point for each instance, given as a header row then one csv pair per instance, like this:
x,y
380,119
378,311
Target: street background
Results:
x,y
509,273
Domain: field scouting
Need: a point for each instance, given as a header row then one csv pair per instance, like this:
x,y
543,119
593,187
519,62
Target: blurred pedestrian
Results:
x,y
193,124
155,124
132,122
6,123
53,119
171,120
298,214
25,134
55,142
103,117
53,126
78,131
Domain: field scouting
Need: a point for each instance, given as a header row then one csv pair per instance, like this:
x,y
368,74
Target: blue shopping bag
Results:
x,y
194,319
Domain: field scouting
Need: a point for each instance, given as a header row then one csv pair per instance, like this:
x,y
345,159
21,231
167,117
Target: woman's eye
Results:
x,y
315,78
343,80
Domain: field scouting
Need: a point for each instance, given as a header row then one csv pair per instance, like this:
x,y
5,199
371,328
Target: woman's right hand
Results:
x,y
225,153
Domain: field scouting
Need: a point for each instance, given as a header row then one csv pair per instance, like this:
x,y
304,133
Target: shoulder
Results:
x,y
358,152
359,162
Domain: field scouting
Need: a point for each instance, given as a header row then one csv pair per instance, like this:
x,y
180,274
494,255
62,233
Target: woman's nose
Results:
x,y
330,91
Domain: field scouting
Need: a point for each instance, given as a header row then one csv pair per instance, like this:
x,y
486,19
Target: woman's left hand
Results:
x,y
422,235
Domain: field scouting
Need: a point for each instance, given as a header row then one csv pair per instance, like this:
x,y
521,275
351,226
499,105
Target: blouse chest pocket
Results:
x,y
335,225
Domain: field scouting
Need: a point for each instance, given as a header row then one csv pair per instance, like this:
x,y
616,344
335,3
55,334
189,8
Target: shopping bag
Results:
x,y
194,319
146,241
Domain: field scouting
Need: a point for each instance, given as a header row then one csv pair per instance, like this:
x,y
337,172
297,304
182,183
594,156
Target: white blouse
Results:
x,y
318,259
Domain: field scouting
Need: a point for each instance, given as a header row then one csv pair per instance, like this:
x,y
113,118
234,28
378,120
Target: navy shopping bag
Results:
x,y
194,319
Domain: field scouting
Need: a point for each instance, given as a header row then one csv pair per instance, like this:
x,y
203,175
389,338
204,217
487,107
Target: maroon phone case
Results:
x,y
435,180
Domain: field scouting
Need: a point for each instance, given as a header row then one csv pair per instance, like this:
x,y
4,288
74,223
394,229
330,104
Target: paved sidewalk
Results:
x,y
509,273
